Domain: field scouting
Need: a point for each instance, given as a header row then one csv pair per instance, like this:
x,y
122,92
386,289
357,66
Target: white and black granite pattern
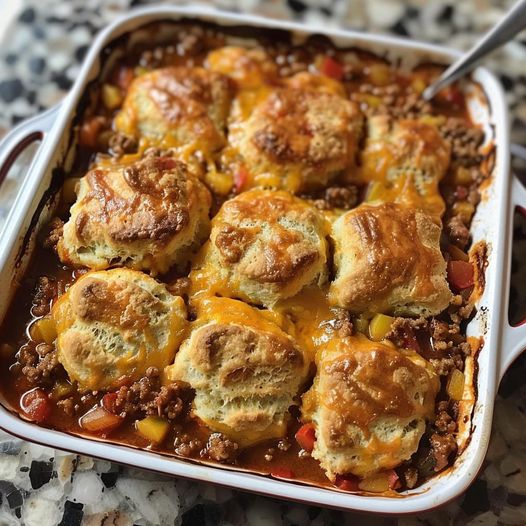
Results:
x,y
43,487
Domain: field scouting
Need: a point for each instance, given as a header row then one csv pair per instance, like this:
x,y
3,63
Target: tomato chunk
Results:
x,y
451,95
100,420
123,77
393,479
282,473
89,132
331,68
306,436
347,482
460,274
240,179
108,402
36,405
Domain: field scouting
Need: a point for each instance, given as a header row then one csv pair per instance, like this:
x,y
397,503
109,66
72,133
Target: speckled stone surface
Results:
x,y
39,486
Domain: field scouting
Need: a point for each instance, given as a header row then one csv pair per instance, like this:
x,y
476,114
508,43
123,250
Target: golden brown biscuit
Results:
x,y
297,137
114,324
245,370
147,215
177,106
249,68
369,404
405,161
387,259
265,246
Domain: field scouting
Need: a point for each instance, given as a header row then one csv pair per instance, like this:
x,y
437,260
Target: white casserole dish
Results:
x,y
492,223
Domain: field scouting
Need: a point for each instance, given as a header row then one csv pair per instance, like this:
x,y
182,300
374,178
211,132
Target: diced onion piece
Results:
x,y
361,324
306,436
61,389
98,420
69,190
457,254
44,330
111,96
379,326
377,483
455,385
153,428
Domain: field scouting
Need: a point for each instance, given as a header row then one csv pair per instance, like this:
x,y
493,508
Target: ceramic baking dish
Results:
x,y
492,224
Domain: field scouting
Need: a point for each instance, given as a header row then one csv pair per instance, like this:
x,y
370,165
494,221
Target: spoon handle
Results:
x,y
504,31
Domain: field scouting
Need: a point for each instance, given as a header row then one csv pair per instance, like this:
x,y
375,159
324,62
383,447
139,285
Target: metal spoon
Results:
x,y
504,31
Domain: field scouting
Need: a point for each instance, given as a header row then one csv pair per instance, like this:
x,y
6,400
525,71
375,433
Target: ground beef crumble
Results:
x,y
443,447
343,197
120,143
46,291
39,363
186,446
147,397
457,232
55,231
220,448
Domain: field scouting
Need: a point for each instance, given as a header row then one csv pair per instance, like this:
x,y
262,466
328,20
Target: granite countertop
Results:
x,y
39,59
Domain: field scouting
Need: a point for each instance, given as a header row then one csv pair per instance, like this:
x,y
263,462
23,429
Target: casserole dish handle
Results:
x,y
514,336
21,136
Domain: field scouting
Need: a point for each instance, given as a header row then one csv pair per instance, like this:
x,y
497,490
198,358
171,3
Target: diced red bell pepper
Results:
x,y
240,179
282,473
393,479
331,68
100,420
108,402
36,405
460,274
347,482
306,436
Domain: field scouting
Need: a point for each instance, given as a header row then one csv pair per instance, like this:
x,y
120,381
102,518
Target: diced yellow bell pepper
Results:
x,y
220,182
375,192
69,190
44,330
463,176
111,96
153,428
379,326
418,84
380,74
455,385
465,210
